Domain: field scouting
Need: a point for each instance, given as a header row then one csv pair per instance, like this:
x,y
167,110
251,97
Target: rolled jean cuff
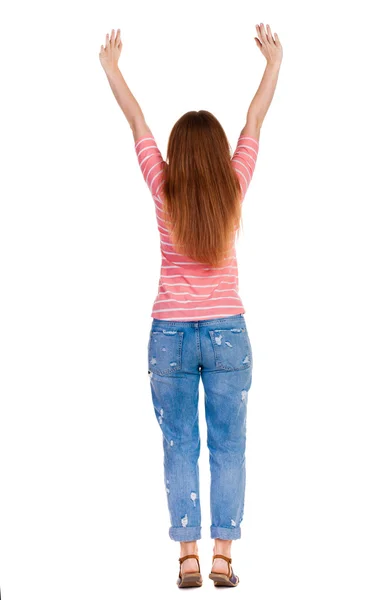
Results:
x,y
225,533
184,534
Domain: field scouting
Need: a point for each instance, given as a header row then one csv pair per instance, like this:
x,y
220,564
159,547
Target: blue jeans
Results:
x,y
179,353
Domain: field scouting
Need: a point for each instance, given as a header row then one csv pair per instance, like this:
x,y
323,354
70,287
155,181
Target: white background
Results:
x,y
83,509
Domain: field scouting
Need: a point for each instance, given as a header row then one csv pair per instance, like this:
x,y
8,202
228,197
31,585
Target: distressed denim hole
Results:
x,y
165,351
232,348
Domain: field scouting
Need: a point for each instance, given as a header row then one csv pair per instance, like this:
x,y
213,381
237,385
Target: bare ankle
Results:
x,y
223,547
188,548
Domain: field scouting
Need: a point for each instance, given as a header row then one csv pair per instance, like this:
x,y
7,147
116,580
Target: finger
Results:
x,y
258,34
118,37
107,40
101,48
277,41
271,39
265,29
263,35
258,43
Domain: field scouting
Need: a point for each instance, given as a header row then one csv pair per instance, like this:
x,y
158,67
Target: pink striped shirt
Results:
x,y
189,290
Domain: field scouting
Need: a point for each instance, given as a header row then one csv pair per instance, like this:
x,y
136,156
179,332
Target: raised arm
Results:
x,y
109,57
272,51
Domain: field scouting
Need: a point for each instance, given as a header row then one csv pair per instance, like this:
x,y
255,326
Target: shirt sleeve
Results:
x,y
150,161
244,160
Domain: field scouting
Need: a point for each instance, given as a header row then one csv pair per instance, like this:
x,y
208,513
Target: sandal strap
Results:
x,y
183,558
227,558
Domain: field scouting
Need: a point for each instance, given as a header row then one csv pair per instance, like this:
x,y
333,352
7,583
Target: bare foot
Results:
x,y
190,565
219,564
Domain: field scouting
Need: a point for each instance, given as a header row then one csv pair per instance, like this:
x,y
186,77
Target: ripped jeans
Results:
x,y
179,353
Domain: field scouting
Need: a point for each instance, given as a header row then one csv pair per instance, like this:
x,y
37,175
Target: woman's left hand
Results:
x,y
110,53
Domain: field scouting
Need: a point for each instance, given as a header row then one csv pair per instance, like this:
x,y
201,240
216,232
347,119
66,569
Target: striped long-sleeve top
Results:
x,y
189,290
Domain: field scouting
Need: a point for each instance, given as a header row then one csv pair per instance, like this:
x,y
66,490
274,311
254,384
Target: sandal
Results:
x,y
193,579
220,579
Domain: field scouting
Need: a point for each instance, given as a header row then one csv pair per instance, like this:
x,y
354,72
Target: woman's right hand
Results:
x,y
270,48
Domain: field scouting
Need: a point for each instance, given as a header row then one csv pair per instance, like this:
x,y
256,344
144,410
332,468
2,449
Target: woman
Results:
x,y
198,328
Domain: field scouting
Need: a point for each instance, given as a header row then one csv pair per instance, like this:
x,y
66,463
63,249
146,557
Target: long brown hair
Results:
x,y
201,191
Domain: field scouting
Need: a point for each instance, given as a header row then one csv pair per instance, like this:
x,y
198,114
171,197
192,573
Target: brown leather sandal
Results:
x,y
193,579
220,579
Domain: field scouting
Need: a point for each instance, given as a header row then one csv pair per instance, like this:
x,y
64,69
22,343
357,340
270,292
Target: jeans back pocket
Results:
x,y
232,348
165,351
